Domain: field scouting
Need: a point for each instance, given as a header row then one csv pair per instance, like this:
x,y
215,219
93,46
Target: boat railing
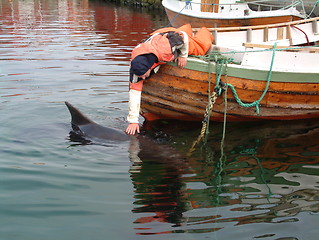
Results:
x,y
283,31
259,5
275,25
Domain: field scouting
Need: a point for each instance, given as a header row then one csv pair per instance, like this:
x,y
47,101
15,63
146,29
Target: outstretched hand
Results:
x,y
181,62
133,128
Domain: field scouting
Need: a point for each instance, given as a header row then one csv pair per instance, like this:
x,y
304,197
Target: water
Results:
x,y
265,186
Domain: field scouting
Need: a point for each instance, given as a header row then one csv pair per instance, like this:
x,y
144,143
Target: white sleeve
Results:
x,y
184,48
134,106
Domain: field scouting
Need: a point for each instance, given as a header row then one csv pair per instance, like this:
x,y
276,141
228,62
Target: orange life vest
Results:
x,y
159,45
198,44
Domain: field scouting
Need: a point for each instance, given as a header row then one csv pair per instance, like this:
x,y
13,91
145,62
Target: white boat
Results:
x,y
226,13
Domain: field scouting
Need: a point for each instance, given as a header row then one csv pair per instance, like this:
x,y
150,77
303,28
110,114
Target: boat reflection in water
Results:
x,y
267,175
123,28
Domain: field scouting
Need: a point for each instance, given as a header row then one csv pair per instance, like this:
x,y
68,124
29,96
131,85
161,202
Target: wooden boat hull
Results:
x,y
175,93
178,20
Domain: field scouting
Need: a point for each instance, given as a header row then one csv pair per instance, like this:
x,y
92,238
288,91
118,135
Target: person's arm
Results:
x,y
134,111
184,48
135,93
182,58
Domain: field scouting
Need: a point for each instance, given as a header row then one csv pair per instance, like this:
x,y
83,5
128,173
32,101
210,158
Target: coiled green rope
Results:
x,y
222,61
257,102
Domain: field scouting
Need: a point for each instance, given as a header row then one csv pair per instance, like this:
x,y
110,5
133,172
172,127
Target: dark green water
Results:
x,y
266,186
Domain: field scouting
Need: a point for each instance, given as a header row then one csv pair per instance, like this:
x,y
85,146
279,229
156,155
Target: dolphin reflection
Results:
x,y
156,169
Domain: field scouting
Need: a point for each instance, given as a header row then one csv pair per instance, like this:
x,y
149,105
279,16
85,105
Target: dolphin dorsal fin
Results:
x,y
78,118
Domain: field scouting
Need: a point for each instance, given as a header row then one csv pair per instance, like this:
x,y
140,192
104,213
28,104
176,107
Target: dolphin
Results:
x,y
84,128
141,146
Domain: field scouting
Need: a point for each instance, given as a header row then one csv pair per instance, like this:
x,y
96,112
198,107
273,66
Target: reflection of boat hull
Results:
x,y
175,93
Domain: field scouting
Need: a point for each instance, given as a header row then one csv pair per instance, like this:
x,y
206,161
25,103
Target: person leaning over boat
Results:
x,y
164,45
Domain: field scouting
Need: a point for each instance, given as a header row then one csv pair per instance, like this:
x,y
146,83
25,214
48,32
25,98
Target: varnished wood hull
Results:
x,y
175,93
178,20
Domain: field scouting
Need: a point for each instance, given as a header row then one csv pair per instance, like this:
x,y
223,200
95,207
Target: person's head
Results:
x,y
145,75
141,65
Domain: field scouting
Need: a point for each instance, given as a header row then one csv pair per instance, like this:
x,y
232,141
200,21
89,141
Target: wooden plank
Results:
x,y
291,48
170,99
180,110
280,33
288,34
256,45
266,34
163,84
209,6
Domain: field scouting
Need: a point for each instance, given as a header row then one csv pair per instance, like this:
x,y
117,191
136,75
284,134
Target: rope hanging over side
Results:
x,y
205,123
221,64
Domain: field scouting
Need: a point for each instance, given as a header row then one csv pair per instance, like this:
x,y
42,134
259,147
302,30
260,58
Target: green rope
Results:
x,y
208,107
225,117
257,102
221,67
313,8
211,98
252,152
221,61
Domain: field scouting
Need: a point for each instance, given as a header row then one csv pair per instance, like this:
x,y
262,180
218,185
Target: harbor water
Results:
x,y
261,182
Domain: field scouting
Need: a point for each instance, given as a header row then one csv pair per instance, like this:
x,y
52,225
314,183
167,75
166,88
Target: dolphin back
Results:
x,y
83,127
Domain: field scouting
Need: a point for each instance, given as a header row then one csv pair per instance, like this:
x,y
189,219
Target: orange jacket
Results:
x,y
198,44
159,45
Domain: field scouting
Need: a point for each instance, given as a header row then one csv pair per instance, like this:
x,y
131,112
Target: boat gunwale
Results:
x,y
260,74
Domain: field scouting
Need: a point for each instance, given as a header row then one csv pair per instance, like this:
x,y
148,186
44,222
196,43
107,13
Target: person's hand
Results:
x,y
181,62
133,128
